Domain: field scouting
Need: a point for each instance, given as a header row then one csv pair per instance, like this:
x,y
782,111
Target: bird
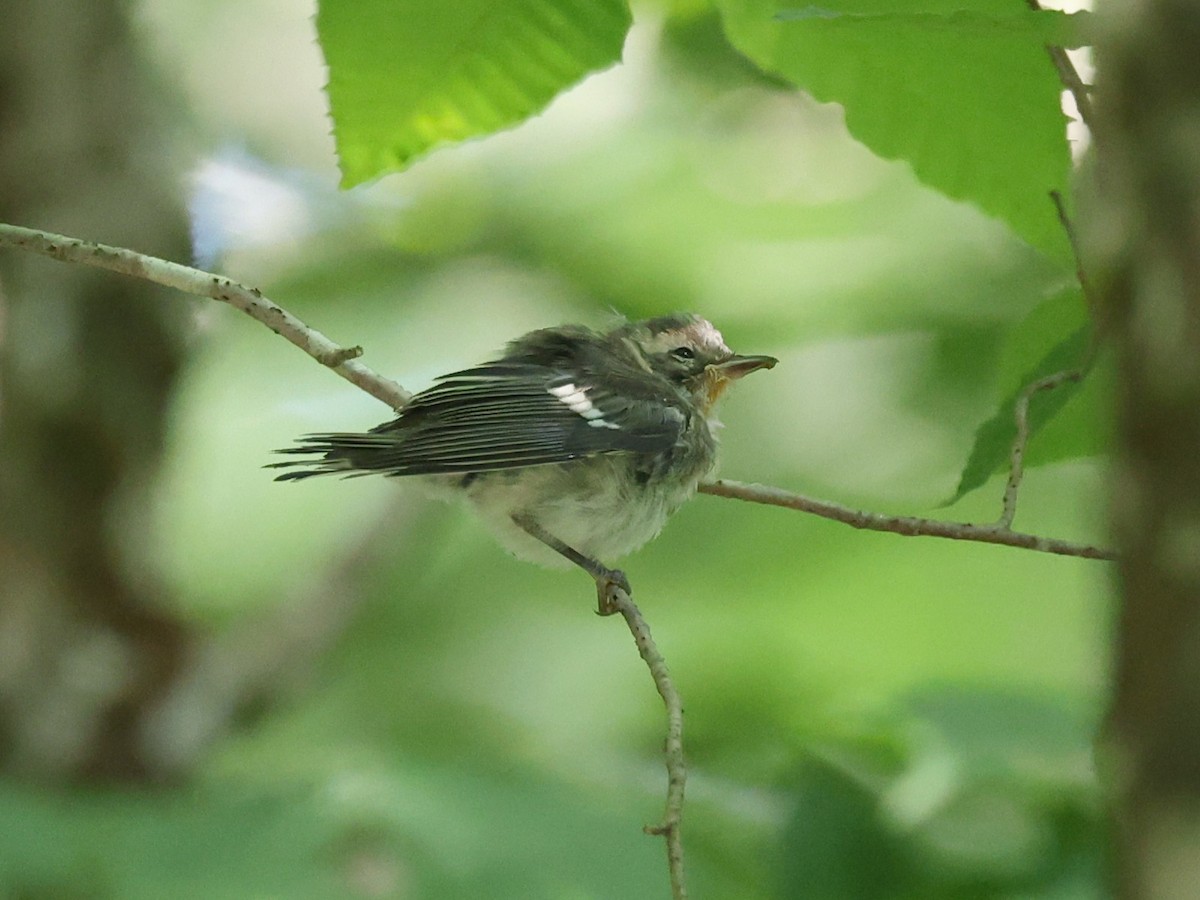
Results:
x,y
575,444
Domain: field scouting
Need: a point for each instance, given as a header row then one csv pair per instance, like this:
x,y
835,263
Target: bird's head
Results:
x,y
687,350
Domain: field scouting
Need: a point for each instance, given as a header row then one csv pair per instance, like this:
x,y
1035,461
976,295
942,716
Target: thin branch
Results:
x,y
907,526
205,284
1016,470
669,828
1098,311
1064,219
1021,409
1071,80
1068,75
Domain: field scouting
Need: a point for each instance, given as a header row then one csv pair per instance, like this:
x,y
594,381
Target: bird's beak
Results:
x,y
737,366
720,375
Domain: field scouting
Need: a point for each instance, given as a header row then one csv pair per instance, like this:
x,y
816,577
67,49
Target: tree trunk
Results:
x,y
1145,232
88,362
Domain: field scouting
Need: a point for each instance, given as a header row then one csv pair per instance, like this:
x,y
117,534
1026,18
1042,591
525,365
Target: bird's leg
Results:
x,y
608,581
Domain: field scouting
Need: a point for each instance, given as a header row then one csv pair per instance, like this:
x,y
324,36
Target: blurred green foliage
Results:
x,y
867,716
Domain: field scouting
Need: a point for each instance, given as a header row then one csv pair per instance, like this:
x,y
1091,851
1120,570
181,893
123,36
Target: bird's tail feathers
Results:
x,y
348,455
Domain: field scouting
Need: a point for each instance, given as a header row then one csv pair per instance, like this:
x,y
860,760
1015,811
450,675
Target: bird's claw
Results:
x,y
607,586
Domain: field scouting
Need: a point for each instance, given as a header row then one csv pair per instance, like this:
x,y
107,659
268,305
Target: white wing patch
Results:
x,y
577,401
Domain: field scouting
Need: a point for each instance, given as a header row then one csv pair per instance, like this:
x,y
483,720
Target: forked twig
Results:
x,y
906,526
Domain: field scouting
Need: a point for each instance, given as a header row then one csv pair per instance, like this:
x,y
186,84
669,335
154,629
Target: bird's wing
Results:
x,y
503,415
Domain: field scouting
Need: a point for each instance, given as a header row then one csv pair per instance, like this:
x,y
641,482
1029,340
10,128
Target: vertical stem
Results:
x,y
669,828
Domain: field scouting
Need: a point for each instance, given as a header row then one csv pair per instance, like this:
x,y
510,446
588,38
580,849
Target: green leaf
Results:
x,y
994,439
1057,317
405,77
1083,427
969,98
1047,26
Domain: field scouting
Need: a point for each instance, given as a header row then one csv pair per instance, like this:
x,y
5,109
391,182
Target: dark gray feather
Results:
x,y
499,415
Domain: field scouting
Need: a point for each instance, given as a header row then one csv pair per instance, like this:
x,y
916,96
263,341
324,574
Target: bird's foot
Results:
x,y
608,583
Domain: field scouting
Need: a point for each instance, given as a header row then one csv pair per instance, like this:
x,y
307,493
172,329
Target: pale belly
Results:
x,y
602,523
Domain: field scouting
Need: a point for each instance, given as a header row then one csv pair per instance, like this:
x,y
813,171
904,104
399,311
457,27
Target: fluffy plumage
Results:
x,y
592,438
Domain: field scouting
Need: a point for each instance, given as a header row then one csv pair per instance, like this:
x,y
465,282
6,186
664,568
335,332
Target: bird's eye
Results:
x,y
683,353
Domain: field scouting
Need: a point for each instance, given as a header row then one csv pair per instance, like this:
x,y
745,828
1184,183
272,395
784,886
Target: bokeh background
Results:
x,y
381,703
